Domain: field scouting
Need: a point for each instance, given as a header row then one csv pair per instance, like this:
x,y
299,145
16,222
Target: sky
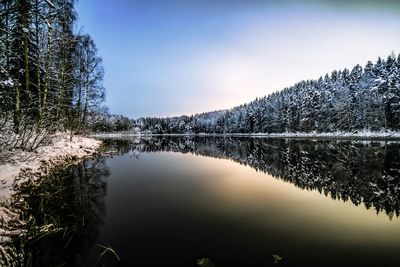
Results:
x,y
175,57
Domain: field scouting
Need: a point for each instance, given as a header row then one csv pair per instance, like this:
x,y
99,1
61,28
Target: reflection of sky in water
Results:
x,y
186,197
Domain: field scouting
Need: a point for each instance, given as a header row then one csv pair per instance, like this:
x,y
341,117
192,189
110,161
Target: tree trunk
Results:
x,y
38,66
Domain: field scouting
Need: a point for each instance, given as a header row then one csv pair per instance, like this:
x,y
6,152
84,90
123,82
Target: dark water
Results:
x,y
237,201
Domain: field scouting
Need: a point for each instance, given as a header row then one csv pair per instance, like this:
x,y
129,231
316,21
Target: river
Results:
x,y
237,201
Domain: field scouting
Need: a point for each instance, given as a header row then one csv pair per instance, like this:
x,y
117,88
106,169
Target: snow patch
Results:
x,y
20,163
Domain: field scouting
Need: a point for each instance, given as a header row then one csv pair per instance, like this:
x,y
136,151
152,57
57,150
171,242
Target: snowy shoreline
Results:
x,y
334,135
22,165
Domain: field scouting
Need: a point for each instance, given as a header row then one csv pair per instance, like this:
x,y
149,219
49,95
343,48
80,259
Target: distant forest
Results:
x,y
51,80
363,99
50,76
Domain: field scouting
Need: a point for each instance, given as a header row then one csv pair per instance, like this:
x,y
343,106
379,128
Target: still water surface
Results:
x,y
237,201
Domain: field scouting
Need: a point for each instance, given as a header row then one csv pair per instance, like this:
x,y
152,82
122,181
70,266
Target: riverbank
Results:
x,y
335,135
21,165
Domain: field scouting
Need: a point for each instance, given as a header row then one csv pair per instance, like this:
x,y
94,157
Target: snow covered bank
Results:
x,y
358,135
20,165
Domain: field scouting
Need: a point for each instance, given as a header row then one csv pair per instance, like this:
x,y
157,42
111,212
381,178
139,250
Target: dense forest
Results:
x,y
51,80
50,75
361,99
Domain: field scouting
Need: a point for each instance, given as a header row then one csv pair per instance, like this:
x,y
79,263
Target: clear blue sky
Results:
x,y
174,57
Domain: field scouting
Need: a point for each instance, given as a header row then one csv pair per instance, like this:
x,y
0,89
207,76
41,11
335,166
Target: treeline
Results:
x,y
50,76
105,122
361,99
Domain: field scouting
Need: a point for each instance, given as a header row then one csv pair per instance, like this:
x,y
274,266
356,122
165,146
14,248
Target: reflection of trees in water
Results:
x,y
71,204
362,172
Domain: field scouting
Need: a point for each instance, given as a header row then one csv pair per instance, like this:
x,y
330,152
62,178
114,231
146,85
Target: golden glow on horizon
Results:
x,y
259,196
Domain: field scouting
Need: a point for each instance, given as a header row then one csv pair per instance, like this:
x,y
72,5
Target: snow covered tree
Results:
x,y
361,99
38,69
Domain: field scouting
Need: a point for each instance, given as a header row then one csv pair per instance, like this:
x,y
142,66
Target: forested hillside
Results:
x,y
361,99
51,80
50,75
